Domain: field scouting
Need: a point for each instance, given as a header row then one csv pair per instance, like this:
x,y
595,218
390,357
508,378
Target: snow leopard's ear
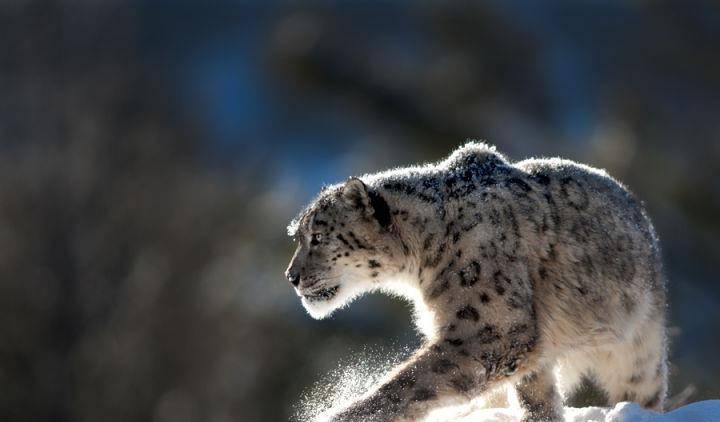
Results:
x,y
355,193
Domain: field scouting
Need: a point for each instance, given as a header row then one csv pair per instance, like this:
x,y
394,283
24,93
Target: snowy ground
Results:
x,y
704,411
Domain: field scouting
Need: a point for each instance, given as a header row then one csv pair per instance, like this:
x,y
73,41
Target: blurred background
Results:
x,y
152,153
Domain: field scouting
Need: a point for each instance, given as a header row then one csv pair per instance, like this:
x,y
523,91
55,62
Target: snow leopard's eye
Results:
x,y
316,239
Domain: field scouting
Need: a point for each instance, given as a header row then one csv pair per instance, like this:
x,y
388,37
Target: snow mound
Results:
x,y
704,411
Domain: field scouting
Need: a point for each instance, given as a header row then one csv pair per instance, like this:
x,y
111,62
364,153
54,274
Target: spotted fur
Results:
x,y
540,273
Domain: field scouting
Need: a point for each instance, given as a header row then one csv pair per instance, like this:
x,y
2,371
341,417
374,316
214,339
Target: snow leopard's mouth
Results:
x,y
323,294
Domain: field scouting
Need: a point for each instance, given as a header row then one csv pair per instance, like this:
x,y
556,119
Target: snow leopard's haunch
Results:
x,y
541,273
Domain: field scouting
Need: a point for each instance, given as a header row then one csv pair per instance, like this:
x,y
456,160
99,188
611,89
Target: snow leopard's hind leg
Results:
x,y
636,370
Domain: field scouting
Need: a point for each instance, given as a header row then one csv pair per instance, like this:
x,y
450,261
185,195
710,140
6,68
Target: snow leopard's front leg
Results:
x,y
452,371
428,380
538,397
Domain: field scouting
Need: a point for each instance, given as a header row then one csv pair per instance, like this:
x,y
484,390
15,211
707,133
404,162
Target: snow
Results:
x,y
354,377
703,411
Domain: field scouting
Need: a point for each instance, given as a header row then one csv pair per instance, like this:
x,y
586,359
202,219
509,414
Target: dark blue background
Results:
x,y
153,152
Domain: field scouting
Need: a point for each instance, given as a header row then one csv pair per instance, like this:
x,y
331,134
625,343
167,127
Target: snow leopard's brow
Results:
x,y
296,226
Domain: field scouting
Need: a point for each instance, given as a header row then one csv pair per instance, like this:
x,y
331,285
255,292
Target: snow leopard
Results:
x,y
540,275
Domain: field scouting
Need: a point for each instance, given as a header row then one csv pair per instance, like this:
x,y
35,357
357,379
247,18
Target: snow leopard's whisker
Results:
x,y
320,281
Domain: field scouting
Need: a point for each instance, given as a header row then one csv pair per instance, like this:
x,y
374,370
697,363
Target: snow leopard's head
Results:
x,y
346,245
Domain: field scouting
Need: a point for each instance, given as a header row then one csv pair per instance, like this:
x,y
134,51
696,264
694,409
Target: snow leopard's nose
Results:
x,y
293,276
